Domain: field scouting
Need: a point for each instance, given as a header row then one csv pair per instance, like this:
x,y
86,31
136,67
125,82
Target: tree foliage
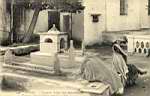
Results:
x,y
71,6
60,5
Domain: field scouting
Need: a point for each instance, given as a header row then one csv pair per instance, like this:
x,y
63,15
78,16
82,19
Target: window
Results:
x,y
48,40
148,7
95,17
123,7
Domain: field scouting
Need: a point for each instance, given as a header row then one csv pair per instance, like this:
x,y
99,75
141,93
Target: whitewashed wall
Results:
x,y
145,18
117,22
42,22
110,19
93,31
78,26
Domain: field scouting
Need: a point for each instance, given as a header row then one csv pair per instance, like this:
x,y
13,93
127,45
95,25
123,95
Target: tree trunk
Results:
x,y
11,23
30,31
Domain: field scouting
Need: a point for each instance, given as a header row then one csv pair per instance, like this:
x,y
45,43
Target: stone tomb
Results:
x,y
51,42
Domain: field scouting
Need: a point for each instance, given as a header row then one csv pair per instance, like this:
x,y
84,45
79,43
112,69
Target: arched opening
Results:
x,y
142,44
62,43
147,45
145,51
135,50
137,44
48,40
140,50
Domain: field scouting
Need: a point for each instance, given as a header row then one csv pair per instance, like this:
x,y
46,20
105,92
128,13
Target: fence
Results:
x,y
138,43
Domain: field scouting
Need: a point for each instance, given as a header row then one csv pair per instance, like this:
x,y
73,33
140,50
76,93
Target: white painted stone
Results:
x,y
135,43
57,65
50,44
8,57
71,53
110,19
55,37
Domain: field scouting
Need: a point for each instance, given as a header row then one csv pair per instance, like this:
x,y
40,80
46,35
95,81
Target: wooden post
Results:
x,y
11,35
71,27
83,48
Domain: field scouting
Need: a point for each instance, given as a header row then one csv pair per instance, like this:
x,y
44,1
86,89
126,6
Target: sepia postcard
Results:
x,y
74,47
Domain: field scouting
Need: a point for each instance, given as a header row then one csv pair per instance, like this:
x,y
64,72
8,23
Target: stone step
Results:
x,y
29,65
29,68
60,88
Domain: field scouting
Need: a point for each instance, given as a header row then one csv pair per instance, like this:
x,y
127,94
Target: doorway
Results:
x,y
66,24
53,18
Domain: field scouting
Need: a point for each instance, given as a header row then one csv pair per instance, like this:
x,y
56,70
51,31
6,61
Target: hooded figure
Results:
x,y
119,62
94,69
128,72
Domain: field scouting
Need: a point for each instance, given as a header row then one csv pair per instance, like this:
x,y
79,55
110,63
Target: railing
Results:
x,y
138,43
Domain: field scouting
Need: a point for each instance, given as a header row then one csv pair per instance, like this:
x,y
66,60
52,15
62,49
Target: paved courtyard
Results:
x,y
143,84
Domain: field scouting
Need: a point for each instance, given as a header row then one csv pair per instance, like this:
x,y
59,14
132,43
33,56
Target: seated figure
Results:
x,y
128,72
93,69
118,74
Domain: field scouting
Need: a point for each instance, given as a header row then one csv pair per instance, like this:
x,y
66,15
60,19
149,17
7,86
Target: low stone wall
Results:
x,y
138,43
109,37
22,50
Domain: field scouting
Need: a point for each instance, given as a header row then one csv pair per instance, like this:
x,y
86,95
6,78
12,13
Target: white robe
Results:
x,y
94,69
119,63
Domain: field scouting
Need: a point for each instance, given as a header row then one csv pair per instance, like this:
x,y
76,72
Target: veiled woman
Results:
x,y
94,69
128,72
119,61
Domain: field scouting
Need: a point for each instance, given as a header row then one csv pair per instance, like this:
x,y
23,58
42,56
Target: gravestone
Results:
x,y
83,48
71,53
57,70
8,57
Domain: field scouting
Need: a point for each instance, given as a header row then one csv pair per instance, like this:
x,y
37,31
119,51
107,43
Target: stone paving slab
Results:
x,y
49,87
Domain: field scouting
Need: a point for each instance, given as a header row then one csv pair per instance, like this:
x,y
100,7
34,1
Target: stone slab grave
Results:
x,y
53,42
8,57
50,87
138,44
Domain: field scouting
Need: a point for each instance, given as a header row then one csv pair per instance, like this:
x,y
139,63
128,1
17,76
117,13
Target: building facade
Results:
x,y
105,20
101,20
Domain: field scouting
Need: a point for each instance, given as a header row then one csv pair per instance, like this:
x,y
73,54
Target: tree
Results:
x,y
71,6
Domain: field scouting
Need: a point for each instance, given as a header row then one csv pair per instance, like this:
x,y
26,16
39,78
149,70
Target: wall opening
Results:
x,y
62,43
48,40
123,7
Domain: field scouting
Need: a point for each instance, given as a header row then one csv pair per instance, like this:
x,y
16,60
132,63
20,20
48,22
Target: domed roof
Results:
x,y
53,29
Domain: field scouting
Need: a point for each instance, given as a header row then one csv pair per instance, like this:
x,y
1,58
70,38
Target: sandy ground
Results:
x,y
142,88
143,83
